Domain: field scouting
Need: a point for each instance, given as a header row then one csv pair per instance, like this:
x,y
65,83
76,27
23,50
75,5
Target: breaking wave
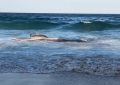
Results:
x,y
95,25
88,26
42,21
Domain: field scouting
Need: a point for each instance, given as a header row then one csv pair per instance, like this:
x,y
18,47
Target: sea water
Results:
x,y
101,51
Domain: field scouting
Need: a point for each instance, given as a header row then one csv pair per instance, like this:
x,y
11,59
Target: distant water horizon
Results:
x,y
52,13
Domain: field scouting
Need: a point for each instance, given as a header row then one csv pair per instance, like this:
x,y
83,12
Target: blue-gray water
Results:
x,y
103,31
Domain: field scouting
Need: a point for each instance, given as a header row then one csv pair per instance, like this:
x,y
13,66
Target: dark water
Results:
x,y
101,31
62,21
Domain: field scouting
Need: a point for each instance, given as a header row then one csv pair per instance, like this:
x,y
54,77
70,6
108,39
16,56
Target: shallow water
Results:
x,y
97,44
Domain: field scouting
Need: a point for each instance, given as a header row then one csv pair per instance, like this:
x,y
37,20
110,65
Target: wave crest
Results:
x,y
48,24
93,25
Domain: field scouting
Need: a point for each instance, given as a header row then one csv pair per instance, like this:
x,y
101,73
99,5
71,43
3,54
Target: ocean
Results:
x,y
100,55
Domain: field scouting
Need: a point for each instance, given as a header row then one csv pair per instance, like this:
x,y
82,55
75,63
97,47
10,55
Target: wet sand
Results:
x,y
56,79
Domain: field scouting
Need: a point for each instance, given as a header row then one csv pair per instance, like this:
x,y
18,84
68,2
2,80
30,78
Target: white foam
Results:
x,y
86,22
109,43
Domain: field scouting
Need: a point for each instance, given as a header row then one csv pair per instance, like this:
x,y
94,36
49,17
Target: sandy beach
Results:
x,y
56,79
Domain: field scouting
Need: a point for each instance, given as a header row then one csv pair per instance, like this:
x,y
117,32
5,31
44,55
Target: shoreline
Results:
x,y
66,78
